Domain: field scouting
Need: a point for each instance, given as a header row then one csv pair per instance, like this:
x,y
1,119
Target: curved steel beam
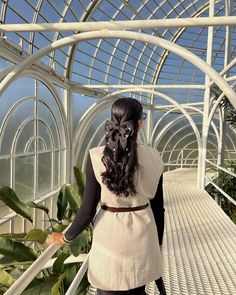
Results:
x,y
179,50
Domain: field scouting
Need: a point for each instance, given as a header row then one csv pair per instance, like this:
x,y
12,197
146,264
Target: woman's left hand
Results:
x,y
55,238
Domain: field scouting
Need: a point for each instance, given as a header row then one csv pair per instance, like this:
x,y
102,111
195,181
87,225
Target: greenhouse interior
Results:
x,y
63,63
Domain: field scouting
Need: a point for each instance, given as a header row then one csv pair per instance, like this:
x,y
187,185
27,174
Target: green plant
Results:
x,y
225,104
228,184
20,250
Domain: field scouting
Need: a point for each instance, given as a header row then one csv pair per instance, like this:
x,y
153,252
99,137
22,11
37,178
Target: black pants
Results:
x,y
136,291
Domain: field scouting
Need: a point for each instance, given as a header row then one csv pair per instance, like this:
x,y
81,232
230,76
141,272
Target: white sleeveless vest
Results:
x,y
145,179
125,252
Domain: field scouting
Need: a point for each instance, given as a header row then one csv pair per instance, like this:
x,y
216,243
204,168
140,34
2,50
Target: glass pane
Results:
x,y
18,224
45,136
5,227
39,217
45,94
47,203
80,105
15,119
24,139
24,177
44,173
56,171
4,180
4,172
19,88
63,167
62,94
47,127
4,63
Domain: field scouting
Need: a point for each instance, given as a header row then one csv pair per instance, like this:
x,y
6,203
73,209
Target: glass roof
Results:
x,y
116,61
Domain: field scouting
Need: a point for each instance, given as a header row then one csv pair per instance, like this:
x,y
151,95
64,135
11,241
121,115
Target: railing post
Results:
x,y
205,125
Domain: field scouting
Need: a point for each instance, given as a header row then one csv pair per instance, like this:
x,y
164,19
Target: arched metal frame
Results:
x,y
175,145
170,138
199,63
51,247
188,107
62,133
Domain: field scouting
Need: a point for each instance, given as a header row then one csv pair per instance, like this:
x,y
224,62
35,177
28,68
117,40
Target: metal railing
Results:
x,y
216,186
24,280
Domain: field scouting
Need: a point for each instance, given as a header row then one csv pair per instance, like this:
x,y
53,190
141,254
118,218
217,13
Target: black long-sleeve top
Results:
x,y
91,197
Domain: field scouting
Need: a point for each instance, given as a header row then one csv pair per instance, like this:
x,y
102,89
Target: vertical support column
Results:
x,y
182,158
205,127
228,45
149,124
70,155
221,146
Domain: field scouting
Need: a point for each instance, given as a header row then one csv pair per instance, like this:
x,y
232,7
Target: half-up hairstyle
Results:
x,y
120,153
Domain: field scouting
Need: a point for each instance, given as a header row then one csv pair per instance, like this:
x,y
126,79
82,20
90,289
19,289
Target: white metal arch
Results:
x,y
18,104
170,138
165,97
179,50
208,151
179,141
21,129
188,107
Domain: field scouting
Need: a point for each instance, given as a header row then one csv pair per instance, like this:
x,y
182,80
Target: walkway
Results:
x,y
199,243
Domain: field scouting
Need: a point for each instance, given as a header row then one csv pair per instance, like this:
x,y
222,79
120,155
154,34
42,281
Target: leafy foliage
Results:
x,y
225,104
17,254
228,184
9,197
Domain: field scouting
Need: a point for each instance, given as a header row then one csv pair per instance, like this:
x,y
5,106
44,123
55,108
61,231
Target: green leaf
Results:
x,y
9,198
36,235
78,243
61,203
16,273
5,279
58,265
53,221
70,273
73,198
31,204
7,263
79,178
59,227
14,236
16,250
84,285
41,286
56,289
3,290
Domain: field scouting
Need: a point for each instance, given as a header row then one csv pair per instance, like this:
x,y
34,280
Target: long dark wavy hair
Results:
x,y
122,163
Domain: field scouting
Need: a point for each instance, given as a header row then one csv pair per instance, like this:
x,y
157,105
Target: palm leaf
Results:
x,y
9,198
16,250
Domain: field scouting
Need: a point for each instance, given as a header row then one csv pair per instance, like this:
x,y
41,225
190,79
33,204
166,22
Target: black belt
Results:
x,y
123,209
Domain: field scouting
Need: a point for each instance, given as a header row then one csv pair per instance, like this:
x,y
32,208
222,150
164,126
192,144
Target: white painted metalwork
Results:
x,y
76,87
148,58
120,25
202,65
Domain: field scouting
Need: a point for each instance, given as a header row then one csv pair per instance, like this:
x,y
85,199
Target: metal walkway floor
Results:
x,y
199,243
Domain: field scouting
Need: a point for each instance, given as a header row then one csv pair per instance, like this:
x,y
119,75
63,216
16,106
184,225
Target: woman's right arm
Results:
x,y
158,209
